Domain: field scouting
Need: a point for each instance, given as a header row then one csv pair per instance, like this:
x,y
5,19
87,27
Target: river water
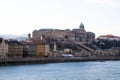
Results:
x,y
108,70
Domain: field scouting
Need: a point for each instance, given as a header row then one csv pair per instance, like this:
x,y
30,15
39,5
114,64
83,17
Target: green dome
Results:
x,y
81,26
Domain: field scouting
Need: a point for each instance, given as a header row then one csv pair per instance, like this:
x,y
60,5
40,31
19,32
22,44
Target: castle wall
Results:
x,y
78,35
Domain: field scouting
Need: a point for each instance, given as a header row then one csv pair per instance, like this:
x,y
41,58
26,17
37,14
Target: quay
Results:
x,y
19,61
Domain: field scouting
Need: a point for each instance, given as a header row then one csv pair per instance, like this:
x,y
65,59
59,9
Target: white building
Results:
x,y
47,49
3,49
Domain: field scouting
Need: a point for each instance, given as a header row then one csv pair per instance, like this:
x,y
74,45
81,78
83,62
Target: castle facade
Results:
x,y
79,35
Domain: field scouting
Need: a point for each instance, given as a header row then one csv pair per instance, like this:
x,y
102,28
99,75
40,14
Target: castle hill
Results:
x,y
54,45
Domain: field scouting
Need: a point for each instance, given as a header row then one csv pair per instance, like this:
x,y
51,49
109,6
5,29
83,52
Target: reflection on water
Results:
x,y
109,70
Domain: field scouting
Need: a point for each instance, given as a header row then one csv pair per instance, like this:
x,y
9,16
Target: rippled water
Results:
x,y
109,70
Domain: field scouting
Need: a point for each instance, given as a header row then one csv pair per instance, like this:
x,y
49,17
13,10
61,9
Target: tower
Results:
x,y
55,47
29,39
82,26
29,36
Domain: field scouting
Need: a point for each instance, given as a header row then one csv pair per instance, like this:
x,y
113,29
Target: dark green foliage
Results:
x,y
106,44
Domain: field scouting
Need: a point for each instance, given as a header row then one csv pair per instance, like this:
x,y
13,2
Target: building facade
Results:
x,y
15,49
29,50
79,35
3,49
42,50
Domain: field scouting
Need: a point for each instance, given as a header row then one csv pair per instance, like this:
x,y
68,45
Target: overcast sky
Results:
x,y
23,16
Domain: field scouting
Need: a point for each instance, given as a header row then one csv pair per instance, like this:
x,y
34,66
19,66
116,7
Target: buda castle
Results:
x,y
56,35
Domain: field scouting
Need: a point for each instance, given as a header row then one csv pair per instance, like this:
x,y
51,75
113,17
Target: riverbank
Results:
x,y
19,61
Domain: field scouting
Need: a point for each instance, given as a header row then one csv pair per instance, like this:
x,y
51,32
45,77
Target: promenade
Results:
x,y
13,61
18,61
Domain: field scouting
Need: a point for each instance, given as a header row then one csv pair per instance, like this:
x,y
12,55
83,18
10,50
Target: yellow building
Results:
x,y
15,49
42,50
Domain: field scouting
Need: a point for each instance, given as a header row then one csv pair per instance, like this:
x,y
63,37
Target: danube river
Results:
x,y
109,70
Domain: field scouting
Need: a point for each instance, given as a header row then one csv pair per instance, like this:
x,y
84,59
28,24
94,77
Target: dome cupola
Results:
x,y
81,26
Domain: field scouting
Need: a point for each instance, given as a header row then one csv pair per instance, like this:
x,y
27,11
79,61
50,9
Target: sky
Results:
x,y
23,16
